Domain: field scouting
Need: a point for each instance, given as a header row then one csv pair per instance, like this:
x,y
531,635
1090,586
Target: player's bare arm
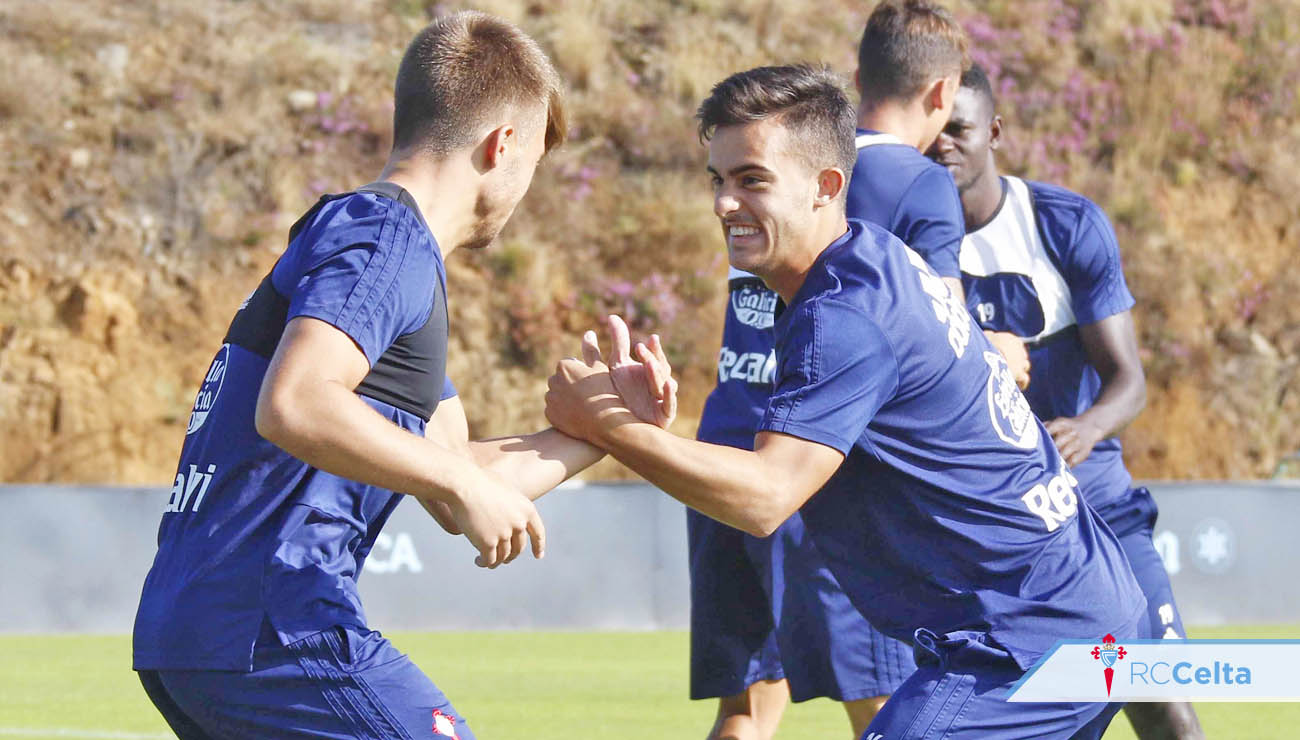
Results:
x,y
1013,350
534,463
538,462
1111,346
752,491
307,407
449,427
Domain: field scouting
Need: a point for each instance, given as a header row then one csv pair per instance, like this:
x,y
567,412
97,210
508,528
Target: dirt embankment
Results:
x,y
156,152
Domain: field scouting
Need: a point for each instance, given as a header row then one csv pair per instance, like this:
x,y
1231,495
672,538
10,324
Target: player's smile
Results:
x,y
954,165
952,162
742,235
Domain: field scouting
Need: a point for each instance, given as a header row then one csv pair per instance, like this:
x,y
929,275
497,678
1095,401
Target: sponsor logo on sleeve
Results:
x,y
208,392
754,306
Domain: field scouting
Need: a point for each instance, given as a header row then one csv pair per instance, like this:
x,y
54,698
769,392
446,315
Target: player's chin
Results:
x,y
745,258
484,236
479,242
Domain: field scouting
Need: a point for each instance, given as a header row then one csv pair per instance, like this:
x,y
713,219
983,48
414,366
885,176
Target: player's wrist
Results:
x,y
601,415
454,485
621,433
1090,427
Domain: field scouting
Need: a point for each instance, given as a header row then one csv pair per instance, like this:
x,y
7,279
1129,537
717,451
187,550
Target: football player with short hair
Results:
x,y
1042,263
328,399
936,498
769,622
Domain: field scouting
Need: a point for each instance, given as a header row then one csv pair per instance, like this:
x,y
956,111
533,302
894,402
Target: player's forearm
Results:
x,y
1122,398
536,463
724,483
1111,347
329,427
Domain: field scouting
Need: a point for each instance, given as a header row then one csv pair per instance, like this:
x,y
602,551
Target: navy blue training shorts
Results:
x,y
1133,520
960,690
341,683
768,608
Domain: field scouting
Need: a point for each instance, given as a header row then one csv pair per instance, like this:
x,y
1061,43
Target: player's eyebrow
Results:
x,y
739,169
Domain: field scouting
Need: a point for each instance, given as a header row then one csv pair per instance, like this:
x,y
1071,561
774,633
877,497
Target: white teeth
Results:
x,y
741,231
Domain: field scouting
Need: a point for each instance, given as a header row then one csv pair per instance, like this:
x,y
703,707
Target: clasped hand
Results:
x,y
1014,352
587,397
1074,437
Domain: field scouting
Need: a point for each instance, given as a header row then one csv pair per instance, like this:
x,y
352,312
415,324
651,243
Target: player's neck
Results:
x,y
438,187
980,201
786,279
895,119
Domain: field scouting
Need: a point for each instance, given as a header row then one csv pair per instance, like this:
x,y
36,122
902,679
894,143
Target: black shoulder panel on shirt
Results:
x,y
259,322
408,375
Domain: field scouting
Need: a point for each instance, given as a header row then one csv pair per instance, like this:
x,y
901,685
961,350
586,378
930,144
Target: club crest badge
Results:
x,y
1009,411
1108,653
444,725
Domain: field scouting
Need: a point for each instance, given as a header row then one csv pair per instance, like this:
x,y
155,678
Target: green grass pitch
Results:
x,y
540,686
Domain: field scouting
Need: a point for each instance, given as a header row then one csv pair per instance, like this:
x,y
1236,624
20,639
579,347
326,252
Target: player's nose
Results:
x,y
942,145
724,205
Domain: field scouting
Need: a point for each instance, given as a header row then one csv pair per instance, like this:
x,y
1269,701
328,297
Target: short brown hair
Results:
x,y
461,70
905,45
809,101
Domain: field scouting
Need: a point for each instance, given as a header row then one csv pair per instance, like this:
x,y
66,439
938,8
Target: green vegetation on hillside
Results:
x,y
158,151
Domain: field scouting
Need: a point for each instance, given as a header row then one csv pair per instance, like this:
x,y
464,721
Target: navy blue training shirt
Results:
x,y
1046,263
952,509
251,533
897,187
746,364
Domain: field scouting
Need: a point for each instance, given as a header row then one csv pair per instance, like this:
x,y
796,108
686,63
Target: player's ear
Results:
x,y
940,94
857,80
497,144
830,182
995,132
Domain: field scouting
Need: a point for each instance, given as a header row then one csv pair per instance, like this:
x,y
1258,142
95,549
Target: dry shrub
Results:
x,y
155,161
